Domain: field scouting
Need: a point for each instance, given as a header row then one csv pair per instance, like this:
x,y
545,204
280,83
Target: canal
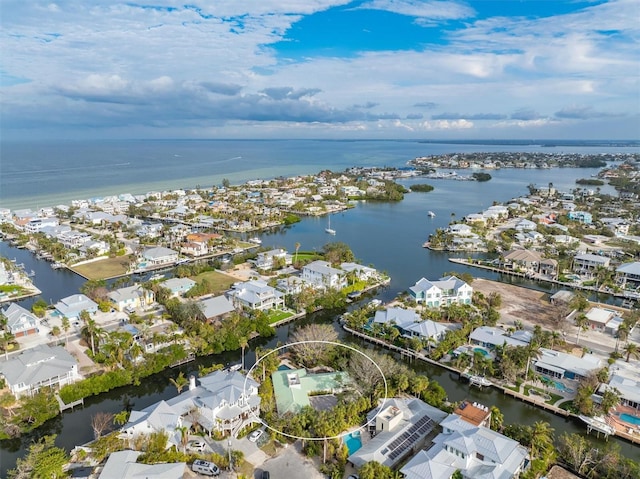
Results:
x,y
388,236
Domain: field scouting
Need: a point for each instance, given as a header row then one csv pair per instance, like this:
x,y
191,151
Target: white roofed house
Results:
x,y
216,308
159,417
587,264
158,255
321,275
256,294
566,366
363,273
20,322
445,291
270,259
41,366
73,305
124,465
628,275
476,451
131,297
490,337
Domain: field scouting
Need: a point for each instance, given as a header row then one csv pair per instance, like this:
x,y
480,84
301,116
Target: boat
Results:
x,y
599,424
328,228
57,265
431,214
479,381
354,294
255,240
156,277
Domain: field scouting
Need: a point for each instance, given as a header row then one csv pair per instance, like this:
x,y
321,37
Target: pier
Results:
x,y
64,406
190,357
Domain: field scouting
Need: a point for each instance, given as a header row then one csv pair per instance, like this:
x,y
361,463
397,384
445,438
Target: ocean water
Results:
x,y
48,173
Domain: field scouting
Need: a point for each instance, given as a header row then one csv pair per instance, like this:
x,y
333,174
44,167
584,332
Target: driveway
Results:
x,y
290,463
252,453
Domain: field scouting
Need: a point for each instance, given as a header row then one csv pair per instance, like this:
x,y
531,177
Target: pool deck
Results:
x,y
624,429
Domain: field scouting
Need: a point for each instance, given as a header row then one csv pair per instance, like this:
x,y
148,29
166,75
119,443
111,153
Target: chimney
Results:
x,y
192,382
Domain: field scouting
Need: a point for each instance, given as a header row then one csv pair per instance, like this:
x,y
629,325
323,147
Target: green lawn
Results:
x,y
277,315
105,268
219,282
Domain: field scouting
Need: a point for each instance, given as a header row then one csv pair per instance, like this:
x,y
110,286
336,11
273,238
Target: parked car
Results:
x,y
196,445
205,467
255,435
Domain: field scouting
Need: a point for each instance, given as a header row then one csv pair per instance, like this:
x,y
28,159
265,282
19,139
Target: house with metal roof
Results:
x,y
293,389
38,367
321,275
123,465
561,365
216,308
130,297
178,286
476,451
444,291
411,324
490,337
158,255
628,275
73,305
20,322
588,263
398,427
256,294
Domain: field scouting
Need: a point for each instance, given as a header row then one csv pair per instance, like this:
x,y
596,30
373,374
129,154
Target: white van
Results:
x,y
205,467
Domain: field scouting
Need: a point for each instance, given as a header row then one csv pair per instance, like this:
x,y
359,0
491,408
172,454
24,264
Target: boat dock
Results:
x,y
64,406
190,357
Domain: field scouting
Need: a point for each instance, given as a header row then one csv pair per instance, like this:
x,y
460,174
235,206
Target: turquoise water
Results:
x,y
635,420
561,387
481,351
353,441
282,367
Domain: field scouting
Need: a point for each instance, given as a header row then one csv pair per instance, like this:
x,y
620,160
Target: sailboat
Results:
x,y
328,228
431,213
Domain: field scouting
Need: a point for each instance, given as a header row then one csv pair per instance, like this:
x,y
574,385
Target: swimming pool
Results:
x,y
481,351
635,420
353,441
561,387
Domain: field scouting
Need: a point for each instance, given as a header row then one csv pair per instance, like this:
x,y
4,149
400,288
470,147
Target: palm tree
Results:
x,y
180,382
184,437
632,349
66,325
497,419
244,342
90,328
6,338
583,324
541,438
297,248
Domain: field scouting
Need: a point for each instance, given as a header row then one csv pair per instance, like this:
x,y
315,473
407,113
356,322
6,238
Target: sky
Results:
x,y
366,69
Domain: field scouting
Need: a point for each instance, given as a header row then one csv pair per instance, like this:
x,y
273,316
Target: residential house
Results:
x,y
294,389
522,261
362,273
160,417
267,260
460,229
398,427
587,263
489,337
131,297
624,377
20,322
628,275
598,318
561,365
38,367
216,308
474,451
123,465
178,286
158,255
549,267
525,225
411,325
619,226
474,413
35,225
225,401
73,305
291,285
321,275
445,291
256,294
583,217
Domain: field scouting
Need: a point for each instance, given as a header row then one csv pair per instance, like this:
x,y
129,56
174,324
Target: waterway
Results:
x,y
387,235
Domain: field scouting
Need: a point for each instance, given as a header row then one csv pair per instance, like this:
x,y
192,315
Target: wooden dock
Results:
x,y
190,357
64,406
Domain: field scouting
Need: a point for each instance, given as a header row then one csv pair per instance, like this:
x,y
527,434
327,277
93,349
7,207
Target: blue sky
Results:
x,y
320,69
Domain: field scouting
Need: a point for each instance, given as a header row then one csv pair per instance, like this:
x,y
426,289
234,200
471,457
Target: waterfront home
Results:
x,y
156,418
73,305
20,322
95,248
522,261
361,272
35,225
225,401
561,365
396,316
256,295
73,239
123,465
587,263
38,367
474,413
474,451
442,292
398,428
321,275
275,258
625,377
216,308
291,285
411,325
178,286
131,297
158,255
295,389
489,337
460,229
628,275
